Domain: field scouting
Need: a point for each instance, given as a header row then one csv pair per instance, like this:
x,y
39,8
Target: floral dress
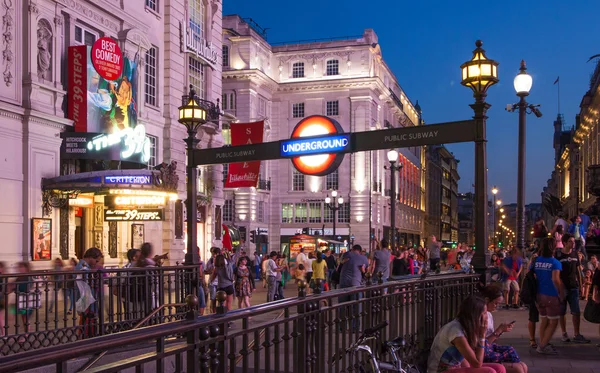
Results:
x,y
242,283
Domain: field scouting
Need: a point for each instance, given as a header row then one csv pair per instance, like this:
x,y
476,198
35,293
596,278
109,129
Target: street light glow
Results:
x,y
494,190
523,81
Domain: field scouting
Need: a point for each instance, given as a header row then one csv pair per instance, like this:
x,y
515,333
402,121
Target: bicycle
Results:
x,y
376,366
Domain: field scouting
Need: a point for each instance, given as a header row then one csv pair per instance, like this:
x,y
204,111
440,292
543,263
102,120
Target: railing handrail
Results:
x,y
49,355
49,272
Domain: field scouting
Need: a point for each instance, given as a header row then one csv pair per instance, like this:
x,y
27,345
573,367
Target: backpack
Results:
x,y
530,286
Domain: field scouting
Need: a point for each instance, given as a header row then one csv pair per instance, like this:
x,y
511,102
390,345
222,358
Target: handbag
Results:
x,y
530,287
494,353
592,312
29,301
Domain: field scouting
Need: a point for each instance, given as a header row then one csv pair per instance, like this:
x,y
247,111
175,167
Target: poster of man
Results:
x,y
41,239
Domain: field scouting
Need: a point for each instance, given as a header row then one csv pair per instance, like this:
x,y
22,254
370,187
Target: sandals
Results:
x,y
533,343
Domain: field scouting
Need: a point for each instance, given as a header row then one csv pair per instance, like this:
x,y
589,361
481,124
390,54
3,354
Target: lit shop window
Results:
x,y
287,212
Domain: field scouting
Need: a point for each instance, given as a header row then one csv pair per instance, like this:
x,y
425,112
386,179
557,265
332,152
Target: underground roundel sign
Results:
x,y
325,141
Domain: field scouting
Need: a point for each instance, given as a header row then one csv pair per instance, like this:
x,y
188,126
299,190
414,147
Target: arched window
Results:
x,y
333,67
298,70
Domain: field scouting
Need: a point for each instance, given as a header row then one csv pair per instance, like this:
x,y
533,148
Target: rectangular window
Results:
x,y
287,212
224,97
196,75
314,212
333,108
232,101
152,5
344,213
261,211
225,56
301,213
298,110
225,171
151,77
333,67
327,215
298,70
84,36
297,181
332,181
153,151
262,106
228,210
197,18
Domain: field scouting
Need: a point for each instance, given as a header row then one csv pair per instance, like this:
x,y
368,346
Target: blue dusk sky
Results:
x,y
425,42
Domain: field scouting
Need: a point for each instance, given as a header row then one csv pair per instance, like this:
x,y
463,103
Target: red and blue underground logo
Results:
x,y
317,145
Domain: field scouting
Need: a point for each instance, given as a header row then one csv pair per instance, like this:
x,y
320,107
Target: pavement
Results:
x,y
571,358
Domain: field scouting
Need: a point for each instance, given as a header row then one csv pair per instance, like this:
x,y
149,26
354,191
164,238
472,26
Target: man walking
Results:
x,y
380,261
512,266
272,271
433,249
570,276
354,265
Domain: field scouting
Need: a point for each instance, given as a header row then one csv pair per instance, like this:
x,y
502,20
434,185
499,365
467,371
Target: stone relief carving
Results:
x,y
99,211
33,8
92,15
98,239
44,45
7,41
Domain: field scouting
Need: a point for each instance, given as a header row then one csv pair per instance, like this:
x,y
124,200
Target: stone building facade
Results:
x,y
160,40
347,80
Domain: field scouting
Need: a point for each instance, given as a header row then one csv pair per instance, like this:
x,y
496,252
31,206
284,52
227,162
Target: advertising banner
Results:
x,y
244,174
134,214
102,98
41,239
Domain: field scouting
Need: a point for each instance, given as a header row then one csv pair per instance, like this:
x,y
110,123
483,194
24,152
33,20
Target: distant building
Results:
x,y
466,218
442,194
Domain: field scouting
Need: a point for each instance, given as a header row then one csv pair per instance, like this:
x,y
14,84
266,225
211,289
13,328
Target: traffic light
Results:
x,y
252,236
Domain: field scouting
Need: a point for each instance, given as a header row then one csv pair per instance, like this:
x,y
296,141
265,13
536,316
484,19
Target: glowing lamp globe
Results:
x,y
480,72
523,81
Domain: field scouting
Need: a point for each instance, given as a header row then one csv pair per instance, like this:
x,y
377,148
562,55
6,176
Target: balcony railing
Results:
x,y
446,201
446,183
304,338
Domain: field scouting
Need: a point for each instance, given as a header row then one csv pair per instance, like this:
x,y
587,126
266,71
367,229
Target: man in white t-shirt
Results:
x,y
301,258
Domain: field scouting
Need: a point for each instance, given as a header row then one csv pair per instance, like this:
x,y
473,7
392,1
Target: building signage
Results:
x,y
82,201
320,127
102,102
134,214
134,200
77,87
107,58
244,174
130,145
319,164
320,145
137,180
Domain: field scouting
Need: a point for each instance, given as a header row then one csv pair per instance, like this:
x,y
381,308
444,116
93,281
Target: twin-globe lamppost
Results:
x,y
392,156
480,73
334,207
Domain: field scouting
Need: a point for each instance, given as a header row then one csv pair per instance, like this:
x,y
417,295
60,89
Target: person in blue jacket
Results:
x,y
577,230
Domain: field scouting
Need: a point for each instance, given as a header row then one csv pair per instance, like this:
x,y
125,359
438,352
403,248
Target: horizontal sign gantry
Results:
x,y
442,133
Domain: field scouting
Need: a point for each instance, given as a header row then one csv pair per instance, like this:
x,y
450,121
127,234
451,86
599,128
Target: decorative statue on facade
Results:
x,y
168,175
44,45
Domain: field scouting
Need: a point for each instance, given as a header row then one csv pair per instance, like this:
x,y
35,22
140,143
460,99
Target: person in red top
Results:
x,y
512,267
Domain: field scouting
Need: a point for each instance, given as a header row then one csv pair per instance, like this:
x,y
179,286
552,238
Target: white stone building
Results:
x,y
168,45
347,80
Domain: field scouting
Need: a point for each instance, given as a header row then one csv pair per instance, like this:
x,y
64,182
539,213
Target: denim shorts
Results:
x,y
212,292
201,297
573,300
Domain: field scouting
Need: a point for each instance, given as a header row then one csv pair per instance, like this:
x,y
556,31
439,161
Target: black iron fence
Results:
x,y
304,338
42,309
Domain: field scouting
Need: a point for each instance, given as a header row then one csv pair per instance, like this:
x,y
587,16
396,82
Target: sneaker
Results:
x,y
565,338
580,339
546,350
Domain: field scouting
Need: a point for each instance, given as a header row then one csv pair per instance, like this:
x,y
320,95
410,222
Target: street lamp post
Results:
x,y
523,82
392,156
333,206
193,113
479,74
494,192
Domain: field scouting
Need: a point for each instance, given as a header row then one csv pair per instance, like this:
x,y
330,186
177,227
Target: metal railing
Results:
x,y
56,307
309,332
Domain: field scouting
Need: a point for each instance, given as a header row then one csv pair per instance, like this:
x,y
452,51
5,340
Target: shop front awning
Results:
x,y
68,189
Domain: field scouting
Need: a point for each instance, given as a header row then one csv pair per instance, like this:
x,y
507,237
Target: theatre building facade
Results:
x,y
91,153
345,80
